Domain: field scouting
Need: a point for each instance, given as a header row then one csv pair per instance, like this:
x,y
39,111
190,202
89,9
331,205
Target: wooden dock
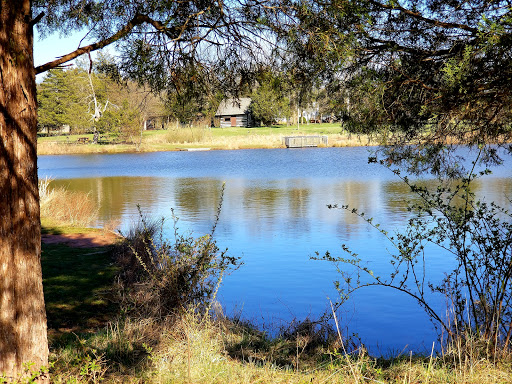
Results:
x,y
304,141
196,149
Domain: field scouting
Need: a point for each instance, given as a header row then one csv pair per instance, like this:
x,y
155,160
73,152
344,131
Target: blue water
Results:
x,y
275,217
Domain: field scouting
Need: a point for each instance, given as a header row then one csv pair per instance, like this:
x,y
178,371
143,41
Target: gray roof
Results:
x,y
231,107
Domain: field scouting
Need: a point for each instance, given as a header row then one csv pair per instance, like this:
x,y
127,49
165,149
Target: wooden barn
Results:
x,y
235,113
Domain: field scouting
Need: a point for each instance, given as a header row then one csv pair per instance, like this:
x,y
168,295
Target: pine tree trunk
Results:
x,y
22,313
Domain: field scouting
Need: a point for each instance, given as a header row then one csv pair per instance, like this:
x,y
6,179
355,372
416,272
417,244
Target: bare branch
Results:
x,y
36,19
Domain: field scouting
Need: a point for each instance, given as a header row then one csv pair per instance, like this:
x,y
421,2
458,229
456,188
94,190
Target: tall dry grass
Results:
x,y
276,141
347,140
199,348
73,208
183,135
176,137
58,148
250,141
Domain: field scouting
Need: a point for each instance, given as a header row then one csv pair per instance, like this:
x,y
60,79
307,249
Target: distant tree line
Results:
x,y
87,100
100,101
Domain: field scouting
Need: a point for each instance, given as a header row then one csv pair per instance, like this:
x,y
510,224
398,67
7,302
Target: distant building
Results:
x,y
235,113
64,129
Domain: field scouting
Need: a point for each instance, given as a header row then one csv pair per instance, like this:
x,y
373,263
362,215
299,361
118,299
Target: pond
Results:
x,y
275,217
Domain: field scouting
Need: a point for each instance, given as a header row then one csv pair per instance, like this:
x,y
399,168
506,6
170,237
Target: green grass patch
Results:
x,y
63,138
52,227
76,282
74,139
285,130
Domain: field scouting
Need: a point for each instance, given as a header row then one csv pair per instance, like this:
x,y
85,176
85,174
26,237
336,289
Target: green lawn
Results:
x,y
313,129
76,283
310,129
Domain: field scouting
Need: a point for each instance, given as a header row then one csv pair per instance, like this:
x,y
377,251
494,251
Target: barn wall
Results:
x,y
241,121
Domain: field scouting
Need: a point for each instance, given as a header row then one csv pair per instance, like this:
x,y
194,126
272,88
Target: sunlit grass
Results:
x,y
73,208
284,130
63,148
261,137
205,137
202,349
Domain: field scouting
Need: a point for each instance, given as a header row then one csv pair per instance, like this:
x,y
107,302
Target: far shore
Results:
x,y
199,139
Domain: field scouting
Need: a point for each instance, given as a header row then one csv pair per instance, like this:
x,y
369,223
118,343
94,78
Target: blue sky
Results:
x,y
54,46
57,45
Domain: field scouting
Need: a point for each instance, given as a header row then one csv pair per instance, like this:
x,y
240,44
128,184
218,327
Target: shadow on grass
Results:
x,y
49,230
75,281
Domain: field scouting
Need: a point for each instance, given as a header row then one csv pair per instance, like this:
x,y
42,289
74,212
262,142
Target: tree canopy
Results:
x,y
194,94
64,99
436,66
269,98
435,69
155,39
94,101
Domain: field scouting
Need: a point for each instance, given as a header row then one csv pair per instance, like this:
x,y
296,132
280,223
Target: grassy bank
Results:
x,y
197,137
91,341
75,279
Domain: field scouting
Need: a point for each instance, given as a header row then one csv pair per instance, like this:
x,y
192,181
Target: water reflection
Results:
x,y
264,207
196,196
115,195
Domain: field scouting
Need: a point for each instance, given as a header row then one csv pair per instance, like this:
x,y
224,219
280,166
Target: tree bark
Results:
x,y
23,338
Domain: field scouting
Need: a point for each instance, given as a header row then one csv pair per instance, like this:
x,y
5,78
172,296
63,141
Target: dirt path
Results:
x,y
82,240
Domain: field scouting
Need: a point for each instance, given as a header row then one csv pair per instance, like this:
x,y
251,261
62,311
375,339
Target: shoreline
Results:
x,y
85,333
153,143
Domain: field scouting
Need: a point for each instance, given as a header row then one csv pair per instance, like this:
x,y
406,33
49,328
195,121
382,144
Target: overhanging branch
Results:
x,y
419,16
137,20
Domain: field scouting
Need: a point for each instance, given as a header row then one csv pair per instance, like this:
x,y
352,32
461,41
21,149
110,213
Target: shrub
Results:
x,y
478,235
159,277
